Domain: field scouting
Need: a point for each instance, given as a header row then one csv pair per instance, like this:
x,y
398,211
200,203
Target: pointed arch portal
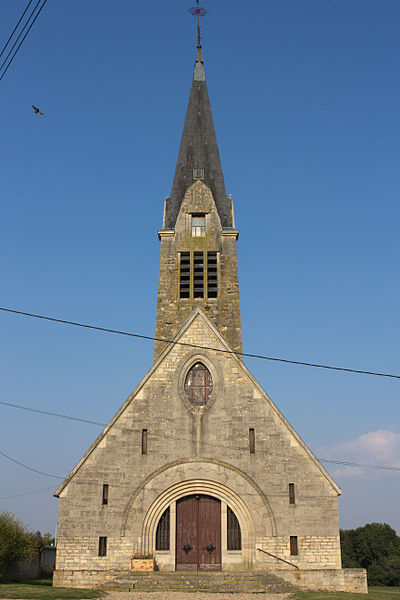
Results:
x,y
198,519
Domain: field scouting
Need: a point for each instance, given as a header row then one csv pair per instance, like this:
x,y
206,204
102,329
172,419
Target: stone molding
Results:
x,y
214,469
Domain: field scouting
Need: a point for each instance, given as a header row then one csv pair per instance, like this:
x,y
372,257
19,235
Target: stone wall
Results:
x,y
191,450
314,552
330,580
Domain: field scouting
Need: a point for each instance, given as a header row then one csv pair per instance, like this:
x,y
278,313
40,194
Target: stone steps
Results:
x,y
200,581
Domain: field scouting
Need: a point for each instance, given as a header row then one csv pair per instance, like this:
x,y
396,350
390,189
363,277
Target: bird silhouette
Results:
x,y
37,111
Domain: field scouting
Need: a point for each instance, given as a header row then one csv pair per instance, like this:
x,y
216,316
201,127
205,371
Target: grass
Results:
x,y
375,593
41,589
377,588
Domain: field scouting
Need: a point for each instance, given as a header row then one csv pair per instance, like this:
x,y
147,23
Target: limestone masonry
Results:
x,y
199,470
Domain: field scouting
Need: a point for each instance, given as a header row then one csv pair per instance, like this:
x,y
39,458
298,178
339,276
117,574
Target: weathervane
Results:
x,y
198,11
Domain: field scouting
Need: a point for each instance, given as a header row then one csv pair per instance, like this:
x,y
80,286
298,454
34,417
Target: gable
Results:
x,y
237,403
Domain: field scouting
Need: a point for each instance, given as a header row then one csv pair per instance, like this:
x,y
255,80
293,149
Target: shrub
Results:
x,y
16,542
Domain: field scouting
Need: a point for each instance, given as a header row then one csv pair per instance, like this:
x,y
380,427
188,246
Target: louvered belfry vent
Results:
x,y
193,275
162,533
198,271
184,284
198,385
212,275
234,541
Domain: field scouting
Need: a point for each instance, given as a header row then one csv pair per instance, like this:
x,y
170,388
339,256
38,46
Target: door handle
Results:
x,y
210,548
187,548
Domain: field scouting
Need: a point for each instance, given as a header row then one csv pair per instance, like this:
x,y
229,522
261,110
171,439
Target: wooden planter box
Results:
x,y
142,564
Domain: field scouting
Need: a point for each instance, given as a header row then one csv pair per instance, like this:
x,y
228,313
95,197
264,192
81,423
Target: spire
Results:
x,y
198,149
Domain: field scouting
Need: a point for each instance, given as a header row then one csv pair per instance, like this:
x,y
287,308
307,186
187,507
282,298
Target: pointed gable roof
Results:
x,y
198,150
219,345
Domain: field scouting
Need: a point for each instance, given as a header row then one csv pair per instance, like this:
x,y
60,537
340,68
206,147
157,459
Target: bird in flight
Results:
x,y
37,111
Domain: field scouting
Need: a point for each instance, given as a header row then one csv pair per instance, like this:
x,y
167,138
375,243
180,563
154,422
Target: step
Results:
x,y
199,581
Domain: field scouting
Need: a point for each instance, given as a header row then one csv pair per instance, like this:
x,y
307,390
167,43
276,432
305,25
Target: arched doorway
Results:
x,y
198,533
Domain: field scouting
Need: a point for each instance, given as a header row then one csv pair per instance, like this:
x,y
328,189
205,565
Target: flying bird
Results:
x,y
37,111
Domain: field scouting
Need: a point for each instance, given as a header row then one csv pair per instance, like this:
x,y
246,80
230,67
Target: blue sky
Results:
x,y
305,97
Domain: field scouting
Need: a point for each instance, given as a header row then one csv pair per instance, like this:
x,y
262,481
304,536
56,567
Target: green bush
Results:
x,y
16,542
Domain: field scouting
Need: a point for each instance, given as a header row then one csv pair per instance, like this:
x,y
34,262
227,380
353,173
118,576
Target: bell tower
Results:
x,y
198,262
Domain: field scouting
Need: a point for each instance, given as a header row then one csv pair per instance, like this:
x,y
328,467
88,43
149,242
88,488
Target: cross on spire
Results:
x,y
198,11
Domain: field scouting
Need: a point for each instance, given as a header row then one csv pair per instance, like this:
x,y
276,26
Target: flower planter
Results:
x,y
142,564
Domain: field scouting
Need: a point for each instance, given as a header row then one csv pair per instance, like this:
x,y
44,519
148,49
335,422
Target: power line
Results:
x,y
15,28
45,412
243,354
20,33
351,464
23,39
27,493
204,443
29,468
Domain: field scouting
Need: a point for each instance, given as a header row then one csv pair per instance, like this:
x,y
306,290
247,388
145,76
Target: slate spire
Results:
x,y
198,150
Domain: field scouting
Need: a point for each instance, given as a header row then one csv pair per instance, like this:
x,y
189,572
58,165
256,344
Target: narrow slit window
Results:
x,y
292,498
184,280
144,441
212,275
294,550
198,225
252,440
102,546
198,275
162,533
105,494
234,541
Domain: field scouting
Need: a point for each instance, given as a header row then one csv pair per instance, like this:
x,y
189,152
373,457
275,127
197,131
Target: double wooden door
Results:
x,y
198,533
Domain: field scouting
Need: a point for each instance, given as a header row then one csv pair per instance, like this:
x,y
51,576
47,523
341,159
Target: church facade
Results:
x,y
199,469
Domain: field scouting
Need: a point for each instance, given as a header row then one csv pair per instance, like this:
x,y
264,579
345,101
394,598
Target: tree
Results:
x,y
41,540
375,547
16,542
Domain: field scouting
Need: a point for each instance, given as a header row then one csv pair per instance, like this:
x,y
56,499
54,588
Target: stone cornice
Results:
x,y
165,233
228,231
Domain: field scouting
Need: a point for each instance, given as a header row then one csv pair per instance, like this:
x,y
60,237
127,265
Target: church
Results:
x,y
199,470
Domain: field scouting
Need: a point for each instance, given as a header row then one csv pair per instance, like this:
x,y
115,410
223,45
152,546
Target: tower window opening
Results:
x,y
162,533
102,546
252,440
144,441
198,225
292,498
184,283
234,541
198,275
212,275
294,550
198,173
105,494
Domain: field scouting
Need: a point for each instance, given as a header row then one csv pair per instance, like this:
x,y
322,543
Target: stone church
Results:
x,y
199,469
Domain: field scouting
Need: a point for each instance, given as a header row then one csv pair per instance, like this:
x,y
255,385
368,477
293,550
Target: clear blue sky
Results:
x,y
305,96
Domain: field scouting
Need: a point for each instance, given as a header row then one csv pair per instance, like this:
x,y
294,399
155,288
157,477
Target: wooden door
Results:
x,y
198,533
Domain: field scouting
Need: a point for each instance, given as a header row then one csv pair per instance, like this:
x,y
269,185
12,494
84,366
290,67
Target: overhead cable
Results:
x,y
23,39
52,414
242,354
212,444
27,493
351,464
15,28
29,468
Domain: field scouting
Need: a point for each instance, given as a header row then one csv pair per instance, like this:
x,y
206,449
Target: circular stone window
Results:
x,y
198,385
